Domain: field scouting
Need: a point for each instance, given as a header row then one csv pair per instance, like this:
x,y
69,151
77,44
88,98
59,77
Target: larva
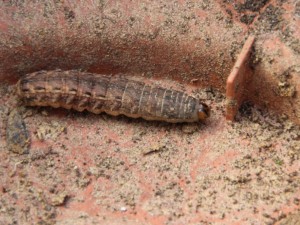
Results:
x,y
112,94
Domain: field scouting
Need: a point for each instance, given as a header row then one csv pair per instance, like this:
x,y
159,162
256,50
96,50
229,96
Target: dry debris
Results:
x,y
17,137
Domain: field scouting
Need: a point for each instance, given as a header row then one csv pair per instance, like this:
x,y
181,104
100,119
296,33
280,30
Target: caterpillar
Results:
x,y
112,94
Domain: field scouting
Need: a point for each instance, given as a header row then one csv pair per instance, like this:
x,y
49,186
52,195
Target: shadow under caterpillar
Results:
x,y
112,94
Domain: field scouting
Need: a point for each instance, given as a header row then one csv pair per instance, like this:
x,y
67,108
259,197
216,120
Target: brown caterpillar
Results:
x,y
113,94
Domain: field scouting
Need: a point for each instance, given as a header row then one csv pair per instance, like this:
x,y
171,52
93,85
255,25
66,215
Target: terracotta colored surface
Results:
x,y
85,169
195,42
238,79
149,38
277,90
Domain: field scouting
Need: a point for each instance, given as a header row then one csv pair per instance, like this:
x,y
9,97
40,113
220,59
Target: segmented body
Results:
x,y
113,94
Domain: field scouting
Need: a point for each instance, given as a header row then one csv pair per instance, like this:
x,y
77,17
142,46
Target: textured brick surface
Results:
x,y
85,169
194,42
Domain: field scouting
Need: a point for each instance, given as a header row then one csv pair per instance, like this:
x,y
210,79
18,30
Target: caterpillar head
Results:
x,y
203,111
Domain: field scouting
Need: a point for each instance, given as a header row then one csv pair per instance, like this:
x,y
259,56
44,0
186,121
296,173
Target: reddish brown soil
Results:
x,y
83,168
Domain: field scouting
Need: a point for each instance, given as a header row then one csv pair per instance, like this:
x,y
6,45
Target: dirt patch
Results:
x,y
115,167
292,219
271,19
17,137
253,6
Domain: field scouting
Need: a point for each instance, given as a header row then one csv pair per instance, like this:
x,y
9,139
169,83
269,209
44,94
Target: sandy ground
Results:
x,y
64,167
82,168
192,41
